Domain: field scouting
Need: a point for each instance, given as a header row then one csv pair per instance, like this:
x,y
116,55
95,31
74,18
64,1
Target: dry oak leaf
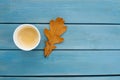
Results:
x,y
57,28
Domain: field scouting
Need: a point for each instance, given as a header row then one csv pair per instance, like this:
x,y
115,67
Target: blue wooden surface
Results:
x,y
76,37
88,49
59,63
64,78
73,11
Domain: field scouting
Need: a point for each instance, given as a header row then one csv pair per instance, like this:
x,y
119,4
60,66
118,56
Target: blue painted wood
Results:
x,y
73,11
76,37
59,63
63,78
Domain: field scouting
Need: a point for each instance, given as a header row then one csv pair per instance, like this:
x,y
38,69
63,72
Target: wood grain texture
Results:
x,y
76,37
73,11
59,63
71,61
63,78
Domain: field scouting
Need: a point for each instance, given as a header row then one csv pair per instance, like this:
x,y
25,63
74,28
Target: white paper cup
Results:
x,y
17,42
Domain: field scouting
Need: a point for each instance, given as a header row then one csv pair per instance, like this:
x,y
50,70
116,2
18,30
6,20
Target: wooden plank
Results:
x,y
76,37
63,78
73,11
59,63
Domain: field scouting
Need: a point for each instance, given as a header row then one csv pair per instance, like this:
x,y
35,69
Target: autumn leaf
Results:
x,y
57,28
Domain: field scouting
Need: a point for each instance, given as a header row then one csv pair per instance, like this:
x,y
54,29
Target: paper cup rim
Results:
x,y
16,41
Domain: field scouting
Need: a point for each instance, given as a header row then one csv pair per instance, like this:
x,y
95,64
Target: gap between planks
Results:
x,y
65,50
99,75
65,23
